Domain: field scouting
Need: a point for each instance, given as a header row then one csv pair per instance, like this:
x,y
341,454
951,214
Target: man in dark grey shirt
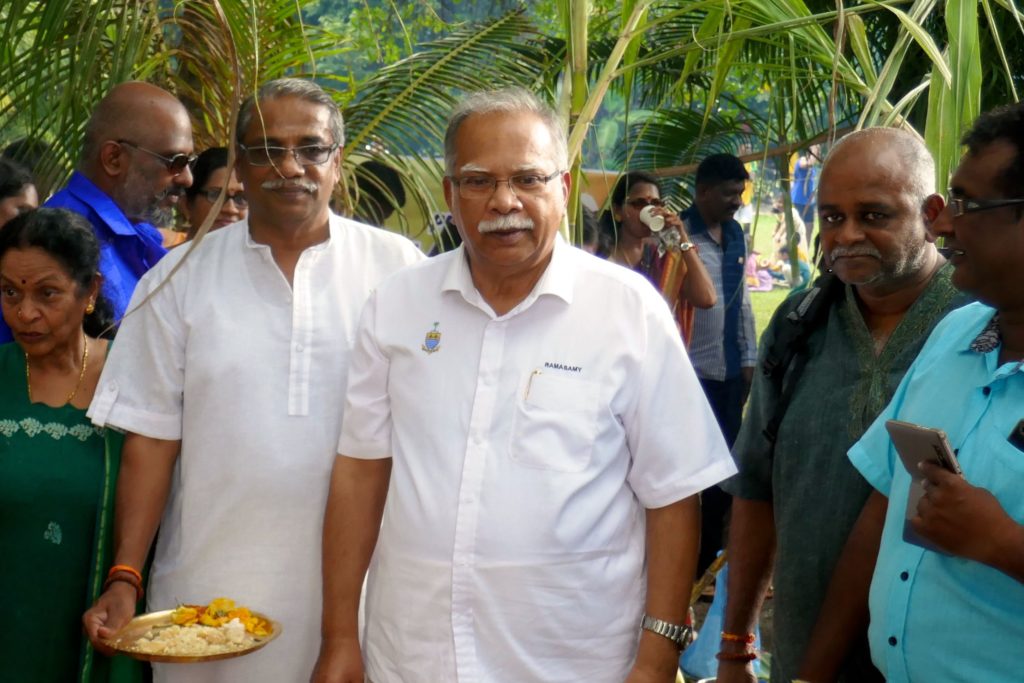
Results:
x,y
797,501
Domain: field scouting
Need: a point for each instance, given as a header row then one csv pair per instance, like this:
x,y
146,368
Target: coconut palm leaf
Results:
x,y
61,56
268,40
401,111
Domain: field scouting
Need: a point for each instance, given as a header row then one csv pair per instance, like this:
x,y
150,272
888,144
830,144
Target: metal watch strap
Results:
x,y
674,632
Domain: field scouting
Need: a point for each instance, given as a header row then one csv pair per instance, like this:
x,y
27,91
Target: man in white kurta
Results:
x,y
527,442
247,370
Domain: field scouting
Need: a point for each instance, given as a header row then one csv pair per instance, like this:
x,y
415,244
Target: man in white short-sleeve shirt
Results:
x,y
543,434
238,358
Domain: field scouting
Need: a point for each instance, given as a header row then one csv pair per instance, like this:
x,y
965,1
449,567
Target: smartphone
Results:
x,y
916,444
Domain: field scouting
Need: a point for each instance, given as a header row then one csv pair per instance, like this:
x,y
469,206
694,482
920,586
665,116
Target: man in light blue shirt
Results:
x,y
134,167
956,614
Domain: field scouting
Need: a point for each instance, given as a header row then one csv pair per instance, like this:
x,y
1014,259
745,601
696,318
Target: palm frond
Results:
x,y
403,108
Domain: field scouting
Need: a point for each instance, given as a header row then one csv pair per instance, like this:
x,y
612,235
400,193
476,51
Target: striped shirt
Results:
x,y
707,345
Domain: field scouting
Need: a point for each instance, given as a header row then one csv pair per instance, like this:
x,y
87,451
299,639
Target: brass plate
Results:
x,y
123,641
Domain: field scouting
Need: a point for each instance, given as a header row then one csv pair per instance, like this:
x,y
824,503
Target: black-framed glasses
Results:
x,y
481,186
962,205
211,195
307,155
643,202
175,164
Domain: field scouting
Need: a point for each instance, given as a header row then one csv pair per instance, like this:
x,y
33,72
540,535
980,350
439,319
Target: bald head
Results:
x,y
130,111
875,201
900,150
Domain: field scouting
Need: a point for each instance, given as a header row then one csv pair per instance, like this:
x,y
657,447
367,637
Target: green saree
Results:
x,y
57,477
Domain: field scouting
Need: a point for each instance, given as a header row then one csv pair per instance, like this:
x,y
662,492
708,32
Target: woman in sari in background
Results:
x,y
57,471
627,240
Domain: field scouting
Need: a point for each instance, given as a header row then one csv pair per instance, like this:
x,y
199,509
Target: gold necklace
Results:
x,y
81,375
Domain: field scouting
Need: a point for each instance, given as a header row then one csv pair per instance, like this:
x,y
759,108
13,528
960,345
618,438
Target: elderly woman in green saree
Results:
x,y
57,471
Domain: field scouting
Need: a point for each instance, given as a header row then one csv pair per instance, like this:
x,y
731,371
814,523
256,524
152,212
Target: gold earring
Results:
x,y
90,308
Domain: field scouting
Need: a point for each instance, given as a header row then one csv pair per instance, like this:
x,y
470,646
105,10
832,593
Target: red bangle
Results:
x,y
125,568
747,656
737,638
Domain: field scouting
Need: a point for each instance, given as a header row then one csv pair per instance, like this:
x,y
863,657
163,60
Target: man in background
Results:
x,y
133,170
723,345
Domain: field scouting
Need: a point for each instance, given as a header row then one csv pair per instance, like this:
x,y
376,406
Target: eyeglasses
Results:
x,y
962,205
211,195
642,202
175,164
307,155
481,186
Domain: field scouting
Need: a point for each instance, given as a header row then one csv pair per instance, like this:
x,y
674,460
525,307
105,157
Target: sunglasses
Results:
x,y
175,164
211,195
641,202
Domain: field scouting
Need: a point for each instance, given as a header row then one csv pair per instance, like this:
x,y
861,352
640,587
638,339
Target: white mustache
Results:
x,y
864,250
507,222
282,183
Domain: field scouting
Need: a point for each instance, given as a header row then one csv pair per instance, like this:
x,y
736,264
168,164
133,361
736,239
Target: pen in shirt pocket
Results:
x,y
529,383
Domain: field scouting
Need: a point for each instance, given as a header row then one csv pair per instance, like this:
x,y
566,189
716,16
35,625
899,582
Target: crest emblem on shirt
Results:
x,y
432,341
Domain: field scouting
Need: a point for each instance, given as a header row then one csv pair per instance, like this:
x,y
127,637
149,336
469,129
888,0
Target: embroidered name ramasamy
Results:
x,y
566,368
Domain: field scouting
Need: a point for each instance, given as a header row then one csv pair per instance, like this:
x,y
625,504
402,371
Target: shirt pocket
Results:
x,y
998,466
555,423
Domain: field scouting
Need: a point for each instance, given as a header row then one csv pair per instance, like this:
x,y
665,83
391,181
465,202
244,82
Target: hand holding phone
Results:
x,y
916,444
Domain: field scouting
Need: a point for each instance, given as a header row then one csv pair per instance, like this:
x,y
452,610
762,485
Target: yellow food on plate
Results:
x,y
219,612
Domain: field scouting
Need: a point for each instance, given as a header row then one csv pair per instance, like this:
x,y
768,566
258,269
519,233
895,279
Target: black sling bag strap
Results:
x,y
788,351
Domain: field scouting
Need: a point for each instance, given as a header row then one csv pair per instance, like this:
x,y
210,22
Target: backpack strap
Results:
x,y
787,355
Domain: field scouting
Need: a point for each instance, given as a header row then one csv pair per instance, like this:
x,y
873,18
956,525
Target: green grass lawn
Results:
x,y
765,303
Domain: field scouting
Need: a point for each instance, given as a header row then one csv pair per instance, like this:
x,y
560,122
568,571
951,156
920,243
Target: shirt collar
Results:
x,y
987,343
558,279
695,224
88,193
989,339
334,227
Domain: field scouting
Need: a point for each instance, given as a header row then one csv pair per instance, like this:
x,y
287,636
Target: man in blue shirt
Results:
x,y
954,613
723,345
804,185
134,167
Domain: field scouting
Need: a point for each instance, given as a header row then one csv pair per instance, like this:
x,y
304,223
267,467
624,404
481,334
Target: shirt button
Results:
x,y
904,576
892,640
986,390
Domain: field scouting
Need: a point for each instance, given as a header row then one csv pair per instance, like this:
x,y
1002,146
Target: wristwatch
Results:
x,y
680,635
687,246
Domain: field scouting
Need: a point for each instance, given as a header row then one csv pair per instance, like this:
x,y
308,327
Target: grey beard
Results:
x,y
160,216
